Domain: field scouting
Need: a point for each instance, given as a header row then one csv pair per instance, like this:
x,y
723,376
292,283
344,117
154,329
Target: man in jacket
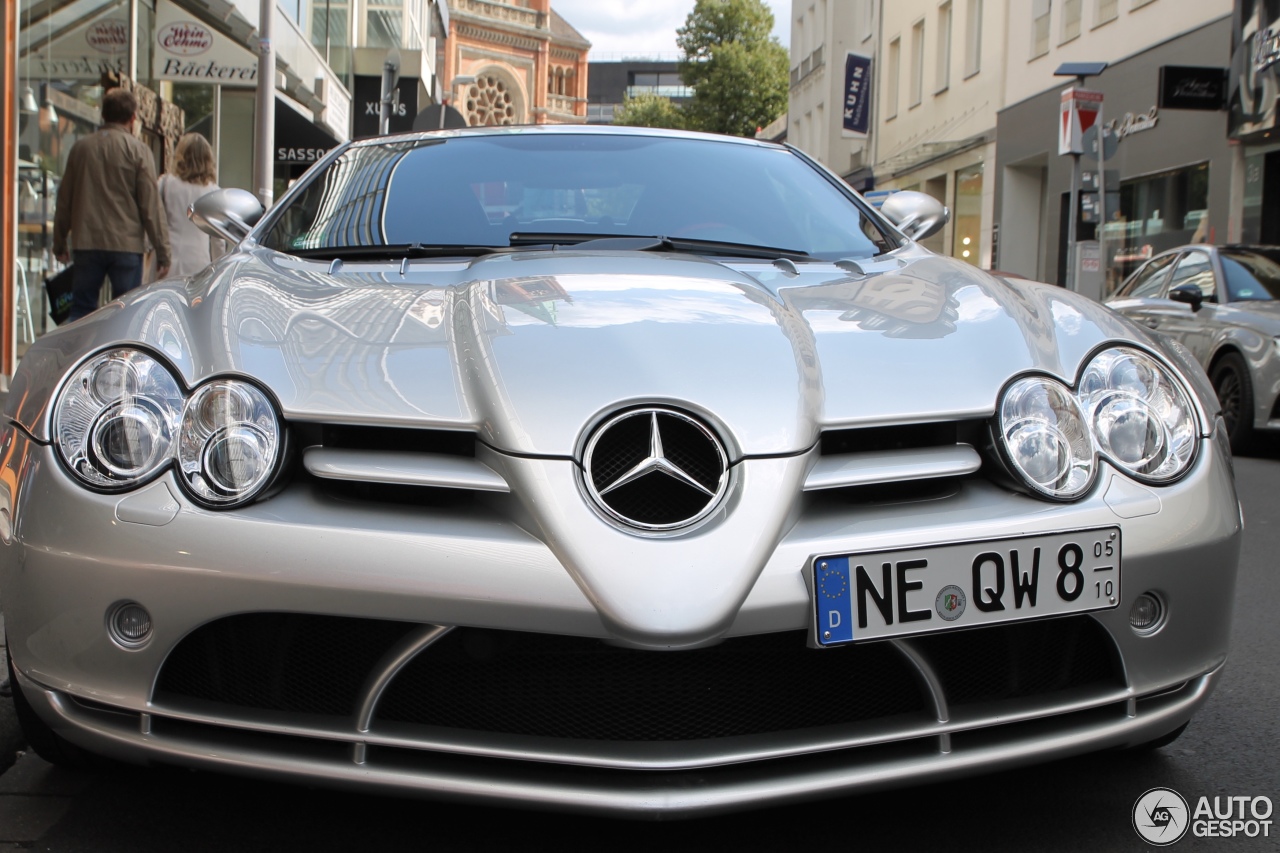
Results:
x,y
107,204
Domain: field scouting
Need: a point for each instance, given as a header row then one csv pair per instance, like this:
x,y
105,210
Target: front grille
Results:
x,y
568,687
579,688
1024,659
279,661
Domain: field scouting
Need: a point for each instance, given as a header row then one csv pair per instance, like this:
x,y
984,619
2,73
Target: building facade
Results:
x,y
941,88
823,34
611,82
516,62
1166,171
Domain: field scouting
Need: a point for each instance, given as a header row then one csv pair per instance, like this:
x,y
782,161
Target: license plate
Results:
x,y
894,593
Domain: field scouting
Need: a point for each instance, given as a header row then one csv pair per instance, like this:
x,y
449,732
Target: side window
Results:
x,y
1195,268
1146,282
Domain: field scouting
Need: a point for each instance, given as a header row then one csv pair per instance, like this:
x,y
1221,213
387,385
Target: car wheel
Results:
x,y
47,743
1230,376
1162,741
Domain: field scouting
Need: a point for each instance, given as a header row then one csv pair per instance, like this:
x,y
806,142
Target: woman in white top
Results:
x,y
193,175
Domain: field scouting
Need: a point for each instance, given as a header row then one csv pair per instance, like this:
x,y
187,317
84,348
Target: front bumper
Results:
x,y
71,555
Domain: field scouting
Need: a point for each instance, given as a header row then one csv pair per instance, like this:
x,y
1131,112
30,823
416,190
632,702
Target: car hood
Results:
x,y
529,350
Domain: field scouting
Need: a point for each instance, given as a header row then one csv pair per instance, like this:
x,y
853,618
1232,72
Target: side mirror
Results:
x,y
1188,293
229,214
916,214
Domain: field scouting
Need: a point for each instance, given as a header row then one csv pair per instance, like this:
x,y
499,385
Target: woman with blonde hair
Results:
x,y
193,176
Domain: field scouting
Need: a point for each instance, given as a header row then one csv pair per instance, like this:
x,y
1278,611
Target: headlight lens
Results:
x,y
115,420
122,418
1045,437
1141,417
229,442
1128,407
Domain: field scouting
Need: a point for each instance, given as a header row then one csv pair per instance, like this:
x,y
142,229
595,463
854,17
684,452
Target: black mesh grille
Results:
x,y
656,498
567,687
1026,659
279,661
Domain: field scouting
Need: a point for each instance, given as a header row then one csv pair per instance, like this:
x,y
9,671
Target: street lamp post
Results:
x,y
390,94
1081,71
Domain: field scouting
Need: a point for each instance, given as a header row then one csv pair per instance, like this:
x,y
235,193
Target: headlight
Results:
x,y
1045,437
1127,407
229,443
122,418
1141,416
115,420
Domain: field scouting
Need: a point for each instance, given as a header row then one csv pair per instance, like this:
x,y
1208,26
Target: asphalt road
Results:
x,y
1231,749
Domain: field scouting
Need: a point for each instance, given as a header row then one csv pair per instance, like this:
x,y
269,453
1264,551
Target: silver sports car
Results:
x,y
626,471
1223,304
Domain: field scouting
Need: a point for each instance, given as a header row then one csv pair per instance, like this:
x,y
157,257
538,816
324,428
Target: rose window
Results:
x,y
489,103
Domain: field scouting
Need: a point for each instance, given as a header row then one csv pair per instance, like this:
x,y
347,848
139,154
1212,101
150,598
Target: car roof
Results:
x,y
560,130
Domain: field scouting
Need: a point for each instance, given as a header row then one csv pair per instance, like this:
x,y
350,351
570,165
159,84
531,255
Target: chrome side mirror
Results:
x,y
917,215
229,214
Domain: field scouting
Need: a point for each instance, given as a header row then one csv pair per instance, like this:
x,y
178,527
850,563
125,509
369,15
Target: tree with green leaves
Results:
x,y
737,69
649,110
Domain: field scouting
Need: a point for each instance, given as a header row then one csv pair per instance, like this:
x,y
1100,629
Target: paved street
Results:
x,y
1231,749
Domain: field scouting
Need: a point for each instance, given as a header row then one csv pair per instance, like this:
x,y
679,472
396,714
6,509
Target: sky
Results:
x,y
644,27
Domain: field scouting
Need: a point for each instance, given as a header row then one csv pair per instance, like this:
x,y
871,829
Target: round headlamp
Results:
x,y
229,442
114,422
1140,415
1045,437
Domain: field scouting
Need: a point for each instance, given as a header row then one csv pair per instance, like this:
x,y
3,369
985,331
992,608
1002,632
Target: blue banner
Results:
x,y
857,95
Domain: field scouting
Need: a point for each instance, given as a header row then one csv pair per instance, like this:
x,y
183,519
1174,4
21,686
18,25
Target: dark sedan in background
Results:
x,y
1221,302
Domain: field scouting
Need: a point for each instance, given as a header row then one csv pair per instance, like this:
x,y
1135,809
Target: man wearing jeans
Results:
x,y
108,204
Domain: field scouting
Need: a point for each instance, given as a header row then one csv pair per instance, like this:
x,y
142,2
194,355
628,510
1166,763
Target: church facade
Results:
x,y
514,62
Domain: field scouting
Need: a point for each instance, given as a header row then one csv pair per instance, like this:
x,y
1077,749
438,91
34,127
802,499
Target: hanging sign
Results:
x,y
857,96
189,51
1079,112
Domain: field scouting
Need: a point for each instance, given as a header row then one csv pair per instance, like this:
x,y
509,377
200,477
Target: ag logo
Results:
x,y
1161,817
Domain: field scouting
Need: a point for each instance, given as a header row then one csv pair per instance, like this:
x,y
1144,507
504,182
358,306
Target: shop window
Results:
x,y
966,232
1157,213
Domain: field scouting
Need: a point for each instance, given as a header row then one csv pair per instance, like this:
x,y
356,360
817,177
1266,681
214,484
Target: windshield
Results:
x,y
476,191
1251,274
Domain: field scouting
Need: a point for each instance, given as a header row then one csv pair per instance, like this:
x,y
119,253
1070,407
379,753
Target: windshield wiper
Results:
x,y
646,243
395,250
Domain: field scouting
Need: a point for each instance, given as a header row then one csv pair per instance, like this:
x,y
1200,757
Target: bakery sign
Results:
x,y
190,51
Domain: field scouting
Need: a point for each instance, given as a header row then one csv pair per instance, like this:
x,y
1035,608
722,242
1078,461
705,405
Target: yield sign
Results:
x,y
1079,112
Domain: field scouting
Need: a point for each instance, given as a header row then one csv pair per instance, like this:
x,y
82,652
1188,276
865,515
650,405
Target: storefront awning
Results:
x,y
298,139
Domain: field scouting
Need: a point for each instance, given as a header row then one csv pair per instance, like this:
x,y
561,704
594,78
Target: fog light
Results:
x,y
129,624
1146,614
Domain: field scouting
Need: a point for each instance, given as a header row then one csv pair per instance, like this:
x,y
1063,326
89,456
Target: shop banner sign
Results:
x,y
188,51
367,96
1080,111
1185,87
857,96
84,52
